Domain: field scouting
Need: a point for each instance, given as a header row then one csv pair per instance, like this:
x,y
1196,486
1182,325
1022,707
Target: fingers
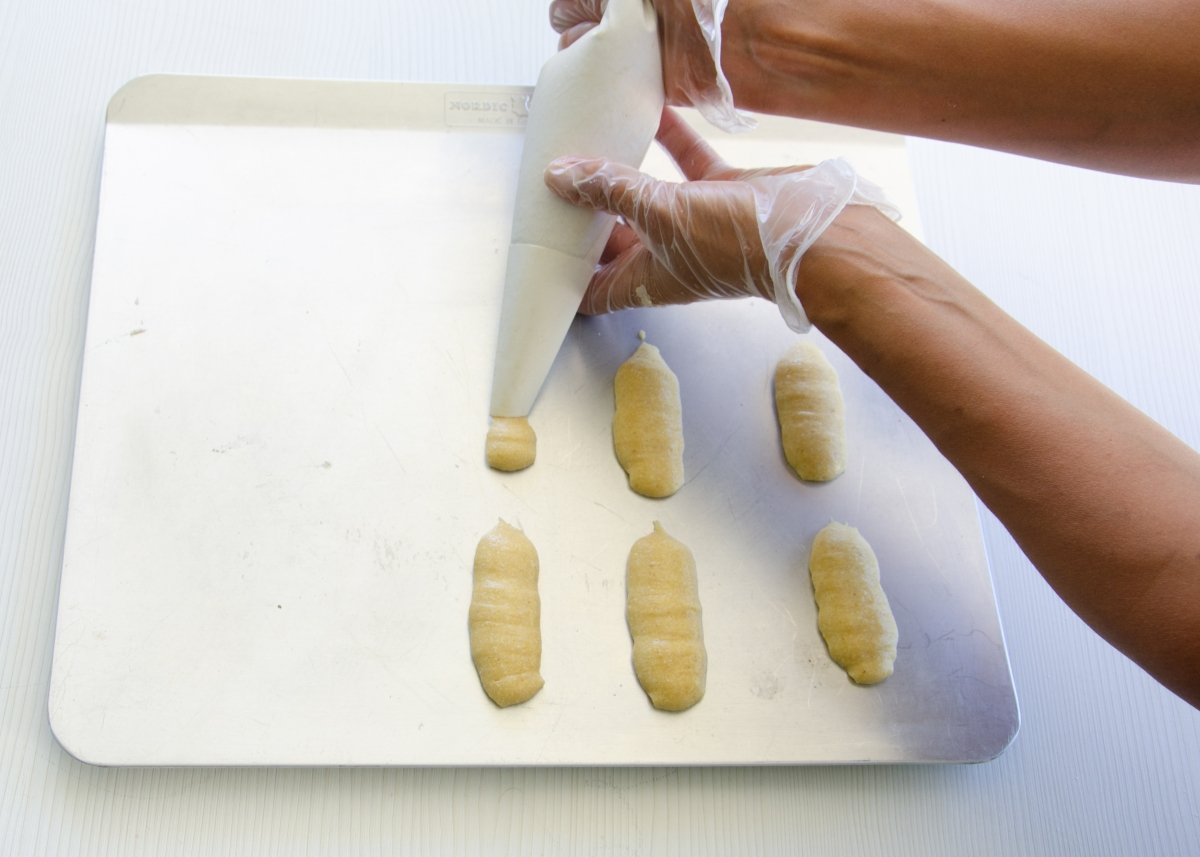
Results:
x,y
602,185
680,242
566,14
572,35
694,157
629,275
634,278
625,269
620,240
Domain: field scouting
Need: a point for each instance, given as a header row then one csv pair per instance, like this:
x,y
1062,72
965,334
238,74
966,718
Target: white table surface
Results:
x,y
1104,268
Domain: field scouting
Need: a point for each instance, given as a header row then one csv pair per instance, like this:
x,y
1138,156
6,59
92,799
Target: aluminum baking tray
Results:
x,y
279,481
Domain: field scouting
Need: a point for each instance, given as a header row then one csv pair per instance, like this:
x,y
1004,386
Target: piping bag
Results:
x,y
600,97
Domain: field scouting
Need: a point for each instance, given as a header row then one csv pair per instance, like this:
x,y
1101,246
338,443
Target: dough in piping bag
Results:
x,y
601,97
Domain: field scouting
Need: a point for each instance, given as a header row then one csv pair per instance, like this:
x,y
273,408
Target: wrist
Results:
x,y
858,260
752,43
793,59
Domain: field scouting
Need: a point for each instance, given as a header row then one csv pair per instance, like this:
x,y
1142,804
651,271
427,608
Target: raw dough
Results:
x,y
812,416
648,423
853,613
505,616
663,610
511,444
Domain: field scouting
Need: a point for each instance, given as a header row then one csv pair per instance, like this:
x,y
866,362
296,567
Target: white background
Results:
x,y
1105,268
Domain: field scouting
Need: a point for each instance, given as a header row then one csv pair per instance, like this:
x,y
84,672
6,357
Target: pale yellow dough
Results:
x,y
648,423
853,613
505,616
511,444
663,610
812,416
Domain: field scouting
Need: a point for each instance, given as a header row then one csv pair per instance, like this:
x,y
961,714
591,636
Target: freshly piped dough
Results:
x,y
511,444
812,416
648,423
505,616
853,613
663,610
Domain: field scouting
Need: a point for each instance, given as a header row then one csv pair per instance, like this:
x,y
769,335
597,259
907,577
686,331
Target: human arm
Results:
x,y
1100,83
1105,84
1104,502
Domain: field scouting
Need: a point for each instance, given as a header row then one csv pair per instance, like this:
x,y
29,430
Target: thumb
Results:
x,y
601,184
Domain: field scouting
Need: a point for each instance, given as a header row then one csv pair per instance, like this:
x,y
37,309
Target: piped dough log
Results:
x,y
812,416
505,616
648,423
511,444
853,613
663,610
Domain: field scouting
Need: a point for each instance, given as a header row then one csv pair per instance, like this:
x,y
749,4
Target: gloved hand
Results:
x,y
689,33
724,233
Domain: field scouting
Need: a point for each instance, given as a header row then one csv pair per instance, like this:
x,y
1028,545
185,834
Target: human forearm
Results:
x,y
1103,83
1105,503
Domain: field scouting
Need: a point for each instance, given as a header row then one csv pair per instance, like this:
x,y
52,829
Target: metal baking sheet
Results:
x,y
279,480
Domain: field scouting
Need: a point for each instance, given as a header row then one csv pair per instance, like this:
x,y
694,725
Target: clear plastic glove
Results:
x,y
724,233
690,37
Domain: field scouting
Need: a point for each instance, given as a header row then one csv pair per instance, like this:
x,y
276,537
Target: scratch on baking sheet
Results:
x,y
388,444
573,446
812,684
862,477
782,608
954,635
354,389
713,457
445,700
518,497
455,366
920,531
613,512
550,732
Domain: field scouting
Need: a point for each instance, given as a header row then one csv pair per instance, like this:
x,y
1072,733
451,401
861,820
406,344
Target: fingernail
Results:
x,y
560,166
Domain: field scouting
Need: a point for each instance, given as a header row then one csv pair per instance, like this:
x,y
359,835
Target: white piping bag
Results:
x,y
600,97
